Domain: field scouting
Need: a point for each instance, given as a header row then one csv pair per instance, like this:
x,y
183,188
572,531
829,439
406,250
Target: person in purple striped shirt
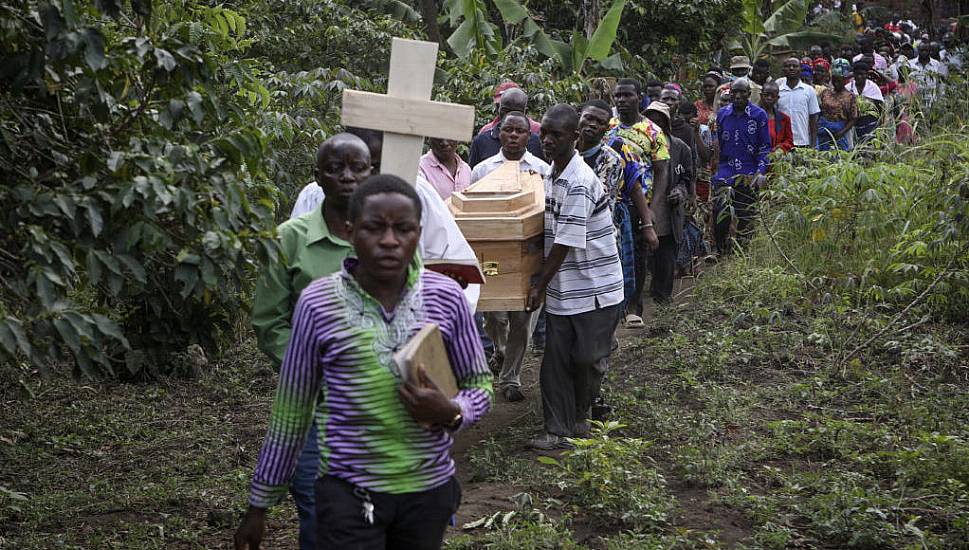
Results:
x,y
386,474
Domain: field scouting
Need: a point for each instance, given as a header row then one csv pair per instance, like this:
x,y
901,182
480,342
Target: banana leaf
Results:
x,y
787,19
605,34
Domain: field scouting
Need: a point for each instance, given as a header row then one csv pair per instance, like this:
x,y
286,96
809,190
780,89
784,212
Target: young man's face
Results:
x,y
653,92
513,135
792,68
768,97
760,74
593,123
341,168
385,235
626,100
558,138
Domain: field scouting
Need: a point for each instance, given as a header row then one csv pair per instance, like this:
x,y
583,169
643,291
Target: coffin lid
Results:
x,y
506,192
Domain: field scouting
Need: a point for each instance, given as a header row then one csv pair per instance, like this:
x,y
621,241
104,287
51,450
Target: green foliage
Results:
x,y
606,476
781,29
132,177
880,225
477,31
517,536
474,29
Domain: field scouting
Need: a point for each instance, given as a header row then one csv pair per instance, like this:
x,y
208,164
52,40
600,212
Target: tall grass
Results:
x,y
883,226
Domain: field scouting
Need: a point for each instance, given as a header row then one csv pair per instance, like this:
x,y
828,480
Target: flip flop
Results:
x,y
634,321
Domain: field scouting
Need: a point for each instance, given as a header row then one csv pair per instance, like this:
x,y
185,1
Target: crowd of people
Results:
x,y
639,190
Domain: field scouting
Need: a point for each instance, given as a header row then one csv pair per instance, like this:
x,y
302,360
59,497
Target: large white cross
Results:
x,y
406,114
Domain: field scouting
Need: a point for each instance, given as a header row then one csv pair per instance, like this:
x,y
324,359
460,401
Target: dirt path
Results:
x,y
483,498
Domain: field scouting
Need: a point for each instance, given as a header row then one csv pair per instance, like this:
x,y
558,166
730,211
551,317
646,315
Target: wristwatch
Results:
x,y
455,422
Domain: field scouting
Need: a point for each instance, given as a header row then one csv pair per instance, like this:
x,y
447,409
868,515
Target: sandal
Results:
x,y
634,321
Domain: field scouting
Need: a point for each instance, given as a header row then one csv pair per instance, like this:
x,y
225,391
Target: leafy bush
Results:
x,y
133,189
880,225
608,479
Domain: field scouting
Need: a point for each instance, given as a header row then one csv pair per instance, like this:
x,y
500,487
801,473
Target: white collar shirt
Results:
x,y
800,103
928,77
528,162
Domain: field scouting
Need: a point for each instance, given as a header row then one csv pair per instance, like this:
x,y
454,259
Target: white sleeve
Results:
x,y
309,198
441,239
813,106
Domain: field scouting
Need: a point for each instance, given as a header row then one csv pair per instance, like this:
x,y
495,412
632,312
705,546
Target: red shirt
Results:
x,y
784,138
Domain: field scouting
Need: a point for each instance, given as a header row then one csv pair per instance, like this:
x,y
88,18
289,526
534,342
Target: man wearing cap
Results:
x,y
488,143
799,100
668,205
740,68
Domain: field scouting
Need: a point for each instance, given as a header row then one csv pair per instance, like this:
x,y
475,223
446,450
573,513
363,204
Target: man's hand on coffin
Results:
x,y
425,402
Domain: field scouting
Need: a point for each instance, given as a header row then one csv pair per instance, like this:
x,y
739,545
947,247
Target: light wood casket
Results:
x,y
502,217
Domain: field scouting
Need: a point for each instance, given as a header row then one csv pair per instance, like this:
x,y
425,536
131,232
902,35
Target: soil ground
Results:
x,y
759,441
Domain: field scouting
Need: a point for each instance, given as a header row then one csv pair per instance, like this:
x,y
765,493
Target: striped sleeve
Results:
x,y
293,407
576,207
475,392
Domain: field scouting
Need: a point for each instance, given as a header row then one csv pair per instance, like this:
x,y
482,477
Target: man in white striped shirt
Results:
x,y
581,281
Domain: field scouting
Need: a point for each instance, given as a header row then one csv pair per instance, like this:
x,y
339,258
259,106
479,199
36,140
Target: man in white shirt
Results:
x,y
511,331
512,148
928,73
799,100
441,239
952,54
581,281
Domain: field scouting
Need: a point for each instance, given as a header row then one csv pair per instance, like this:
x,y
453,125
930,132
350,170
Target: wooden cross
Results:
x,y
406,114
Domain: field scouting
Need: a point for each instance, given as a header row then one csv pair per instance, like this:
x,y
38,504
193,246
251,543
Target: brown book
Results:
x,y
469,270
426,349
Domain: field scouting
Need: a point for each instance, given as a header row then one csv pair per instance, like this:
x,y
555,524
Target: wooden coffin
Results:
x,y
502,217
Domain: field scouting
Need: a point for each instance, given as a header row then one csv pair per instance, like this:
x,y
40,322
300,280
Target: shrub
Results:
x,y
607,478
134,197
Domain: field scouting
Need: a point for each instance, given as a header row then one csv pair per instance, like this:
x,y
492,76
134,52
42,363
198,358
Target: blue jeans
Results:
x,y
303,489
486,343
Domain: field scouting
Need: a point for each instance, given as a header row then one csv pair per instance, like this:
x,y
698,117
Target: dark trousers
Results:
x,y
634,305
662,265
413,521
731,203
576,357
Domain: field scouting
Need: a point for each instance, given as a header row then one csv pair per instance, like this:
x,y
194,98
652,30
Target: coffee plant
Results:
x,y
134,200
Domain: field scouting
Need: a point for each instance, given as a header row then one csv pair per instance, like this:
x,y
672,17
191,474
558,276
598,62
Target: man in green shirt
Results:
x,y
313,246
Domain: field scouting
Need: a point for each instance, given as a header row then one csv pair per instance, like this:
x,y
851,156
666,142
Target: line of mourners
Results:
x,y
652,183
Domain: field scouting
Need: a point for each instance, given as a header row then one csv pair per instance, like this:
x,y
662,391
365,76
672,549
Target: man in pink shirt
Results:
x,y
444,169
